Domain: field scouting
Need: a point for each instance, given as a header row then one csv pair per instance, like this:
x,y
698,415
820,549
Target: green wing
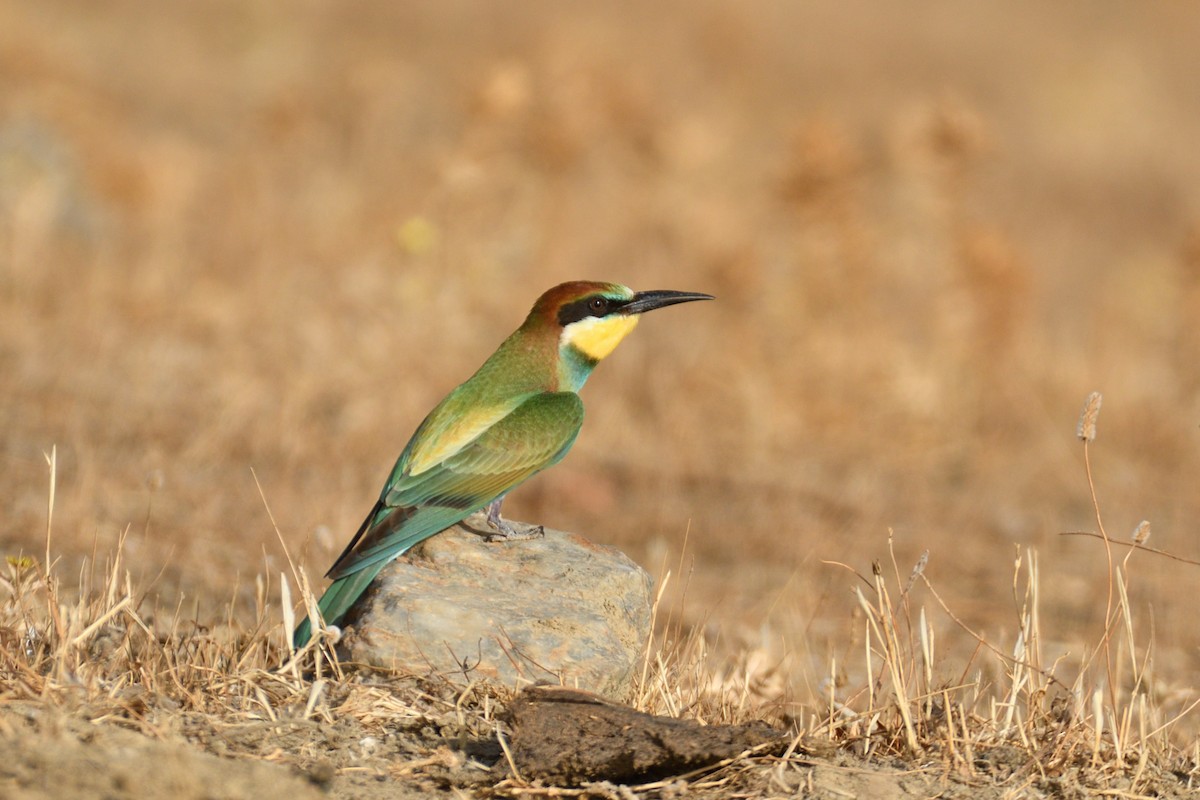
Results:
x,y
535,435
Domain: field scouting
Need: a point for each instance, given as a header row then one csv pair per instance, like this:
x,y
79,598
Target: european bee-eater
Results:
x,y
518,414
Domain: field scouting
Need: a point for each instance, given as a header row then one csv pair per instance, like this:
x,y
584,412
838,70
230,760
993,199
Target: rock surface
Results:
x,y
556,608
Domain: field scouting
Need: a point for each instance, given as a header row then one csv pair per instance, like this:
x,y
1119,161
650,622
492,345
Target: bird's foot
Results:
x,y
505,531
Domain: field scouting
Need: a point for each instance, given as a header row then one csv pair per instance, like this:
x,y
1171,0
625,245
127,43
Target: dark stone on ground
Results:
x,y
570,737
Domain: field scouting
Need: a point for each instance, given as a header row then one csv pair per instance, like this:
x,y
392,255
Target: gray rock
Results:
x,y
556,608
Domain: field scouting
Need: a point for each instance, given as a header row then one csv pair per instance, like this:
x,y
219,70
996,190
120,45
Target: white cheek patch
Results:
x,y
596,337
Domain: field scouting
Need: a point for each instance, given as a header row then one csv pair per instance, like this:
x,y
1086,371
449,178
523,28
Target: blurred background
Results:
x,y
242,236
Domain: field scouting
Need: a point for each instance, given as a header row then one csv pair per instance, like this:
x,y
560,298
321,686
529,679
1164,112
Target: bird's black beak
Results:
x,y
648,301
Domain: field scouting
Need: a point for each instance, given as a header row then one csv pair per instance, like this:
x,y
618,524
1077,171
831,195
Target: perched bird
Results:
x,y
518,414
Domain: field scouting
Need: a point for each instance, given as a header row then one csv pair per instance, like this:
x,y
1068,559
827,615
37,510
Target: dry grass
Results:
x,y
1102,718
232,240
1008,717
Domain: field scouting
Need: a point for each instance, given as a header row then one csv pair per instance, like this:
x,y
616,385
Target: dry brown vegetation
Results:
x,y
237,239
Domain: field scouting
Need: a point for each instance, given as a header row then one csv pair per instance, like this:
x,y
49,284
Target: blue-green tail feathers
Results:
x,y
385,534
337,600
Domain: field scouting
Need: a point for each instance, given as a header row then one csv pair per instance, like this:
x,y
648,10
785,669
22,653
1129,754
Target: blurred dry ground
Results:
x,y
242,236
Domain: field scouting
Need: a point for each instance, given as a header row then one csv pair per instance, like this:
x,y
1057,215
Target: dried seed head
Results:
x,y
1142,532
1086,430
918,570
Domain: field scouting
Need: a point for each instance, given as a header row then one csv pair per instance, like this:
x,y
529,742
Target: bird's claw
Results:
x,y
505,532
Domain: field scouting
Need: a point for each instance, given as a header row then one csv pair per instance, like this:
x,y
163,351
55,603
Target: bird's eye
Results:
x,y
598,305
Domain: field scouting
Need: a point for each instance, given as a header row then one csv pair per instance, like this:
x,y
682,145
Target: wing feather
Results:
x,y
448,430
535,434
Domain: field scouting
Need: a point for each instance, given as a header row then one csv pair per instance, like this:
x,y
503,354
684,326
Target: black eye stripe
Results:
x,y
587,307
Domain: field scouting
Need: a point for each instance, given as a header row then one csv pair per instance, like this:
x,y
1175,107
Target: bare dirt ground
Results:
x,y
244,249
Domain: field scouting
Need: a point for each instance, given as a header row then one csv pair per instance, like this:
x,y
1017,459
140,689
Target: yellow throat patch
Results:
x,y
596,337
